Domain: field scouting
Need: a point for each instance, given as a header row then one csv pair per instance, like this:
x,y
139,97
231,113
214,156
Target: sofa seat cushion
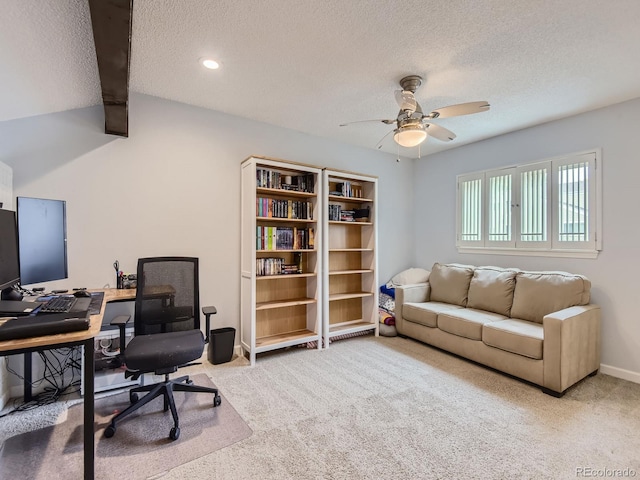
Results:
x,y
491,289
540,293
466,322
515,336
450,283
425,313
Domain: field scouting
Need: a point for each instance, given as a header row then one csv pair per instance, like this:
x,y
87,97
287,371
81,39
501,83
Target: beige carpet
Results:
x,y
140,448
392,408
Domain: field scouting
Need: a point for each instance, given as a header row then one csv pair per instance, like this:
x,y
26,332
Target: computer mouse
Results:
x,y
81,293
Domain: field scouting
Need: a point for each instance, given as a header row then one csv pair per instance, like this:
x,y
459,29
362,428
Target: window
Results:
x,y
550,207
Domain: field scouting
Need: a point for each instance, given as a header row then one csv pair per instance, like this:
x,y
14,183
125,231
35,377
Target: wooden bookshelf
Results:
x,y
280,310
350,279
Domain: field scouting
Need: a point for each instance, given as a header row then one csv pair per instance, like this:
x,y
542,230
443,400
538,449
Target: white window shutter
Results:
x,y
469,208
533,206
500,205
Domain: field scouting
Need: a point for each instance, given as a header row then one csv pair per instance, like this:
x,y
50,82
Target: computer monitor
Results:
x,y
9,266
42,237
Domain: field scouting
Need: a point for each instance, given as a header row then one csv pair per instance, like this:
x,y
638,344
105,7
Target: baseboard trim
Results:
x,y
620,373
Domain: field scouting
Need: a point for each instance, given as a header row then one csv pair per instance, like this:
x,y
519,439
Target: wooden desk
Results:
x,y
84,338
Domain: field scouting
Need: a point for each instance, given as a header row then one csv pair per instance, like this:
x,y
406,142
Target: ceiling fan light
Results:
x,y
410,136
209,63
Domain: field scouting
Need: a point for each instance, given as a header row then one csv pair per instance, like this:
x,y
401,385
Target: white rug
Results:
x,y
141,447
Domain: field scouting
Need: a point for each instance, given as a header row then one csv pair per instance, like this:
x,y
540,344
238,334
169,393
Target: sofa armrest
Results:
x,y
571,348
413,293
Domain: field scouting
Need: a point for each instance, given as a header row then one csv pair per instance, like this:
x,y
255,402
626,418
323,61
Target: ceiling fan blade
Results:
x,y
439,133
386,122
379,144
460,109
406,100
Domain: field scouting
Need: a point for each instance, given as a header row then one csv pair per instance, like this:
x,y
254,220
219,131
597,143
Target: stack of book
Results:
x,y
347,216
288,269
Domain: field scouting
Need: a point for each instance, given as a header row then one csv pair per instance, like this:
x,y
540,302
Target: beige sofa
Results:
x,y
538,326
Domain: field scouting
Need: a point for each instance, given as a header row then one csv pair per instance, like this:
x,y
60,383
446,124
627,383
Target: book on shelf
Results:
x,y
346,189
292,209
267,178
284,238
334,212
311,240
269,266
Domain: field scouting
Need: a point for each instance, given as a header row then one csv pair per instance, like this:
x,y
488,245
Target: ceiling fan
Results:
x,y
412,125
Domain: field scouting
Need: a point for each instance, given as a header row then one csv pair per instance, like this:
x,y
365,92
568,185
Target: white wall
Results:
x,y
173,188
6,186
6,198
614,274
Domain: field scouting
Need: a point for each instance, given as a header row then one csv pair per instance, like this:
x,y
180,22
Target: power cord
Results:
x,y
56,362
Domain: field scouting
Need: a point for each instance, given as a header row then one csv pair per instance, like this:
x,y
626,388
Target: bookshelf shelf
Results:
x,y
349,272
349,327
349,295
284,303
350,250
307,250
283,309
355,224
264,344
339,198
350,278
283,276
285,220
283,193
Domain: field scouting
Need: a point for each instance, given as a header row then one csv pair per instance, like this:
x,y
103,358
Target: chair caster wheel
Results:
x,y
217,400
174,434
189,382
110,431
133,397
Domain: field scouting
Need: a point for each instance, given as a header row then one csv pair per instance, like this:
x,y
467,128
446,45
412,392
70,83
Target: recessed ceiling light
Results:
x,y
209,63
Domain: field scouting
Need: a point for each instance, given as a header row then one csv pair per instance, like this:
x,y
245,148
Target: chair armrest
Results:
x,y
121,322
208,311
571,348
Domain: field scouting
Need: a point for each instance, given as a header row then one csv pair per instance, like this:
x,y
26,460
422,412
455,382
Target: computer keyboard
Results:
x,y
58,305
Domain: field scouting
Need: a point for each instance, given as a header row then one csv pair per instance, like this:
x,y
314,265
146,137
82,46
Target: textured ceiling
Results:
x,y
310,65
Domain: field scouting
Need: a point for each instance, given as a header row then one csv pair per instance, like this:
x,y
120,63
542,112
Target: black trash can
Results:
x,y
221,342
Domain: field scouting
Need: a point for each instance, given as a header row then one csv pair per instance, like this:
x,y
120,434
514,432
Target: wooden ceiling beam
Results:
x,y
111,22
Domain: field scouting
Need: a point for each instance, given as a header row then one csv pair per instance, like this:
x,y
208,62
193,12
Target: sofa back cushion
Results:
x,y
491,289
539,293
450,283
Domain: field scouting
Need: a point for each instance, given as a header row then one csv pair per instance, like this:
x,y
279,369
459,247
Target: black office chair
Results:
x,y
167,334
